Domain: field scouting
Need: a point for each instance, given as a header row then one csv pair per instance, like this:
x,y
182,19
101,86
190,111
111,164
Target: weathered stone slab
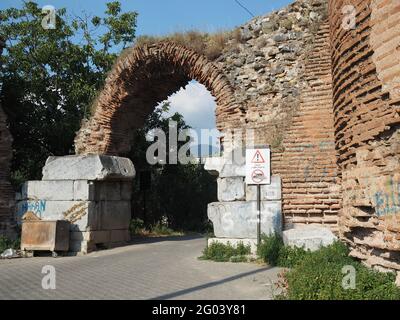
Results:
x,y
214,165
102,190
234,242
84,190
233,170
94,236
47,190
231,189
238,219
113,215
89,167
119,236
126,190
83,247
82,214
233,164
309,237
268,192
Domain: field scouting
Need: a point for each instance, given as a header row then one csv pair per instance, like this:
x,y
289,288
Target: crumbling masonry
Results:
x,y
320,84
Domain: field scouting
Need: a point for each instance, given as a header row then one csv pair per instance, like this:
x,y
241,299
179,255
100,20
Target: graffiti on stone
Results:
x,y
387,200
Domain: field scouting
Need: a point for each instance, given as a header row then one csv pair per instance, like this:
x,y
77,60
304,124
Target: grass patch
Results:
x,y
137,229
320,275
220,252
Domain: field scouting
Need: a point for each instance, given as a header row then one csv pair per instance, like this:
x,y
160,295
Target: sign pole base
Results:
x,y
258,215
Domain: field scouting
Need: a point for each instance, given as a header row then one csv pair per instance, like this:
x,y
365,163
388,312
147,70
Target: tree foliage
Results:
x,y
49,77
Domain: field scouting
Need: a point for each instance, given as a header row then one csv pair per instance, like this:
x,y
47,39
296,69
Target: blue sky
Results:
x,y
159,17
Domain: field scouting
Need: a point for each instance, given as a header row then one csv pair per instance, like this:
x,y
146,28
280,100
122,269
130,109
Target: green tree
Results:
x,y
49,77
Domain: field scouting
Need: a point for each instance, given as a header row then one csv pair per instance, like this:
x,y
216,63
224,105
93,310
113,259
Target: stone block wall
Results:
x,y
234,217
366,81
96,201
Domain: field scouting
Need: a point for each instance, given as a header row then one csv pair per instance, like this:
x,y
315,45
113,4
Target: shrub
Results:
x,y
220,252
162,229
136,226
319,276
269,249
290,257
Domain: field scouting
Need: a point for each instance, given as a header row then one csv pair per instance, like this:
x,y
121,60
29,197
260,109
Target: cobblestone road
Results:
x,y
157,269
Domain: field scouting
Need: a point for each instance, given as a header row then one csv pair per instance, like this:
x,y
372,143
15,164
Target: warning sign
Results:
x,y
258,166
258,158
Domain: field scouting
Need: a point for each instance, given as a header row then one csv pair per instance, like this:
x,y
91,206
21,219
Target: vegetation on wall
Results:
x,y
212,45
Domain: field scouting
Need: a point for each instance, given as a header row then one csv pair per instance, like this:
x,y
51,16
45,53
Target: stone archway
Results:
x,y
142,77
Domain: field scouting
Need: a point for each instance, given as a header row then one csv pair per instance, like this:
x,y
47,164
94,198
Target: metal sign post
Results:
x,y
258,173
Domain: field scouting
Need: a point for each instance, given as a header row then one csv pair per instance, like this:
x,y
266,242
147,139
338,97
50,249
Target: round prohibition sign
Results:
x,y
257,176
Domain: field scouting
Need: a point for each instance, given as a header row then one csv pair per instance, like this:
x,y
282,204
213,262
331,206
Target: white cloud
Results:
x,y
196,104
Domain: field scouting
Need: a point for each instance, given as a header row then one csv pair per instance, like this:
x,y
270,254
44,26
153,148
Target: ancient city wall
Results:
x,y
366,75
307,164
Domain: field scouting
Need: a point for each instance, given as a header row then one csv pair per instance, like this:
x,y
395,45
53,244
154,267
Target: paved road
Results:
x,y
158,269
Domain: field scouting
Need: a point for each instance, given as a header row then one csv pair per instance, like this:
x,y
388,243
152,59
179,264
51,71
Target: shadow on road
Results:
x,y
208,285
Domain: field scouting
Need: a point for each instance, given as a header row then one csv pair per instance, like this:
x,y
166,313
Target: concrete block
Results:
x,y
231,189
309,237
88,167
47,190
238,219
235,242
268,192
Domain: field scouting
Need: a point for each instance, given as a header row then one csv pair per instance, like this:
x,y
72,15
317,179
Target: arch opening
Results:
x,y
141,78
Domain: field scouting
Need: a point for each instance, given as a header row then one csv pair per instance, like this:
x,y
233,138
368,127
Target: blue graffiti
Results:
x,y
388,202
36,206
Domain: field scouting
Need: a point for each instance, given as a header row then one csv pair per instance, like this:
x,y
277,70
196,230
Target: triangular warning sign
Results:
x,y
258,158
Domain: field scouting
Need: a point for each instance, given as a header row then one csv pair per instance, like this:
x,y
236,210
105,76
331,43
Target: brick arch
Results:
x,y
142,77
